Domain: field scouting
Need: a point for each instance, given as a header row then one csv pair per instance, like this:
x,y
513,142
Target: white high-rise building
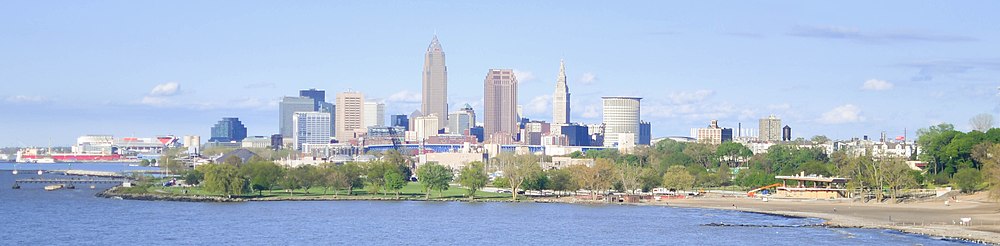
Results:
x,y
560,99
621,118
311,128
374,114
435,83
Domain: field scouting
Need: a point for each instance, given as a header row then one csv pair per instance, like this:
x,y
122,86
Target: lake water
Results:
x,y
33,216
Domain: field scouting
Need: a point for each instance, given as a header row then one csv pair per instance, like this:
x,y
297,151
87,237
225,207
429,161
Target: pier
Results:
x,y
69,181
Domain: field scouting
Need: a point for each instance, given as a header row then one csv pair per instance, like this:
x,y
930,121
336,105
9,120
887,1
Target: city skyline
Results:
x,y
108,77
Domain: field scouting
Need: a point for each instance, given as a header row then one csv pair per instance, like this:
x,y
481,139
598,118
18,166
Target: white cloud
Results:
x,y
165,89
877,85
847,113
405,96
25,99
539,105
686,97
155,101
588,78
524,76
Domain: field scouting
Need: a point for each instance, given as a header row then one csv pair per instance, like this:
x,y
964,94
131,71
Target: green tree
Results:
x,y
473,177
649,179
702,154
434,177
394,181
733,153
222,178
501,182
967,179
193,177
263,175
677,177
560,180
520,169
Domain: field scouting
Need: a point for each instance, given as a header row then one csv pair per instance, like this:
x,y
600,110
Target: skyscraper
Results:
x,y
461,120
311,127
435,85
286,110
400,120
560,99
770,129
228,130
374,114
318,97
621,119
350,115
500,102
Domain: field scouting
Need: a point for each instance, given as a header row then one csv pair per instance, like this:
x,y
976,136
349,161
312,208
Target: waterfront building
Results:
x,y
350,115
374,114
500,103
621,118
286,110
770,129
400,120
435,83
228,130
192,143
560,99
311,128
318,97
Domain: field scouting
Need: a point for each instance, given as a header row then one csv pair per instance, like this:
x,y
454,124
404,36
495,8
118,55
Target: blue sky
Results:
x,y
843,69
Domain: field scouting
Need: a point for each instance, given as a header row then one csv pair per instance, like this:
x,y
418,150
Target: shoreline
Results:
x,y
850,215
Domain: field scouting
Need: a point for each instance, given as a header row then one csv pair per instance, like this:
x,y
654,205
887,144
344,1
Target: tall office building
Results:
x,y
350,115
286,110
461,120
425,126
400,120
311,128
770,129
646,133
714,134
560,99
318,97
500,102
435,86
228,130
621,119
374,114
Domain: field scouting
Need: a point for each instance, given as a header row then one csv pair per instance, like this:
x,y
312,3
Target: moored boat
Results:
x,y
53,187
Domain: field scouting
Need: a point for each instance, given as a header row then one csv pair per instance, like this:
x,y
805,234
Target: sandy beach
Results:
x,y
933,218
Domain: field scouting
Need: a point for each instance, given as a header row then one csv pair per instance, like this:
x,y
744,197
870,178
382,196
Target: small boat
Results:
x,y
53,187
